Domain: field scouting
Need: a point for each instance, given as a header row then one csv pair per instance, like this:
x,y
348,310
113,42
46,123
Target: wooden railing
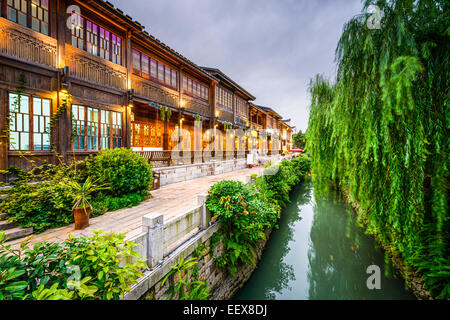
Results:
x,y
197,106
148,89
86,66
27,45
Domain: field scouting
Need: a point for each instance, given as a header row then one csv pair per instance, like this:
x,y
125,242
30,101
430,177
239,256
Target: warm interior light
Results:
x,y
182,103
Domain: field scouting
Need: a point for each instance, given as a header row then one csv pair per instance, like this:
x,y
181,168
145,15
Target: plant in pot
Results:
x,y
82,208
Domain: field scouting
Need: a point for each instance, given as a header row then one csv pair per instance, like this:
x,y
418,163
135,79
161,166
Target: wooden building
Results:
x,y
89,78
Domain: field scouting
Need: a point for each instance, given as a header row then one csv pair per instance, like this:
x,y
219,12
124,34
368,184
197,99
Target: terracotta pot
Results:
x,y
81,217
250,166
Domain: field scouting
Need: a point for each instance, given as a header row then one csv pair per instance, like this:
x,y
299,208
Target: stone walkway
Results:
x,y
171,200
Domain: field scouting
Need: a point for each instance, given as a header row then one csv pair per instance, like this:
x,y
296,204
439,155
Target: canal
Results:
x,y
319,252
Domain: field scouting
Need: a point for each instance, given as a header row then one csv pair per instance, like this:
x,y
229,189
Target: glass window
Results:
x,y
96,129
17,11
116,49
145,66
105,44
91,37
29,122
160,72
78,35
154,68
39,16
174,79
167,77
136,62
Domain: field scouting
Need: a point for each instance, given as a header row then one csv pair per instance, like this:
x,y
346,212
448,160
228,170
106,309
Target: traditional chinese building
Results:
x,y
77,77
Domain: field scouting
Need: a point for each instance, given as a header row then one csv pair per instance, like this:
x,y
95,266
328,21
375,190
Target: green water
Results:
x,y
319,252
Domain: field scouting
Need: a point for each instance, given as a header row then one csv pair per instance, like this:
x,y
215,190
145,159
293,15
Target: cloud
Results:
x,y
272,48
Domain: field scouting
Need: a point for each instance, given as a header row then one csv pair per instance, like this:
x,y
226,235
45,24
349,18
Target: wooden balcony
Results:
x,y
85,66
197,106
225,114
24,44
150,90
242,120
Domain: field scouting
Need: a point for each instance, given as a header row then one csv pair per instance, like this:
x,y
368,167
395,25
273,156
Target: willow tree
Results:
x,y
380,130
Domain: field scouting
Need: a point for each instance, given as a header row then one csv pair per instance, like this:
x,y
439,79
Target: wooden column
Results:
x,y
64,125
4,141
127,59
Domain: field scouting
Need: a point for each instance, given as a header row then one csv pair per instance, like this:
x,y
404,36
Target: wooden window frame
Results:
x,y
115,130
165,70
195,88
29,18
112,46
31,132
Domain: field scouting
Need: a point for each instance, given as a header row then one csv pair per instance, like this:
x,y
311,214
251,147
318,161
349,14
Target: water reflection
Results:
x,y
319,253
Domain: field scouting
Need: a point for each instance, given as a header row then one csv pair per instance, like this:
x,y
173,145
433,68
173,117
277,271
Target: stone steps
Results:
x,y
17,233
12,230
5,225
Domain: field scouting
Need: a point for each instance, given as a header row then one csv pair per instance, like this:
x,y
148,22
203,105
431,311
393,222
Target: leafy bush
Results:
x,y
245,212
186,286
96,267
122,169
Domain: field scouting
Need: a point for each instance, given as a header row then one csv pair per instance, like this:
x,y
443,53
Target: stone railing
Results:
x,y
160,238
85,66
27,45
147,89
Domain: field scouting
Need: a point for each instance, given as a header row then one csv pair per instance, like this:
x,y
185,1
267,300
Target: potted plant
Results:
x,y
82,208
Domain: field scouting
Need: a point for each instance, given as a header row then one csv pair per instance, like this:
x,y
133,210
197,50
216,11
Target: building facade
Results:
x,y
77,77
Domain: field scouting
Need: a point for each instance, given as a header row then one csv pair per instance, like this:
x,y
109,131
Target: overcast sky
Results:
x,y
272,48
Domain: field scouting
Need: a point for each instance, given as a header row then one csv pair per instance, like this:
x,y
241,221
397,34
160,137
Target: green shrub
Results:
x,y
123,170
94,268
245,212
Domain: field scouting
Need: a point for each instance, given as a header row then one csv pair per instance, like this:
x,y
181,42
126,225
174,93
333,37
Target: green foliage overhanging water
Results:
x,y
380,131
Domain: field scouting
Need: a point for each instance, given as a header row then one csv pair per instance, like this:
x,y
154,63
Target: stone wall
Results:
x,y
176,174
223,286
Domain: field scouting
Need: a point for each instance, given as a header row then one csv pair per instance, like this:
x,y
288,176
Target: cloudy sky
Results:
x,y
272,48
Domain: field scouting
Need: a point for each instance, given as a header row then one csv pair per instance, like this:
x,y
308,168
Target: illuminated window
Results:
x,y
154,68
17,11
105,44
78,35
116,49
96,129
39,16
29,122
91,37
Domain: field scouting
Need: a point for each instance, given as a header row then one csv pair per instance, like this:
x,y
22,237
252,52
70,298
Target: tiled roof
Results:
x,y
217,73
111,8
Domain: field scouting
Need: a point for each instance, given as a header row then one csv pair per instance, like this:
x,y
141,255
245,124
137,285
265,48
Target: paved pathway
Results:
x,y
171,200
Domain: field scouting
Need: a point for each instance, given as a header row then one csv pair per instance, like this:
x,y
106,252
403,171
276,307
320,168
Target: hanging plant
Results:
x,y
227,125
166,113
198,118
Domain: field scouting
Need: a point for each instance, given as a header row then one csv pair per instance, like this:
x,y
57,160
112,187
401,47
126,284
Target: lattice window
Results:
x,y
145,66
116,129
136,62
92,131
174,79
154,68
105,129
29,121
79,126
41,123
160,72
78,35
105,44
91,37
116,49
39,16
94,125
17,11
